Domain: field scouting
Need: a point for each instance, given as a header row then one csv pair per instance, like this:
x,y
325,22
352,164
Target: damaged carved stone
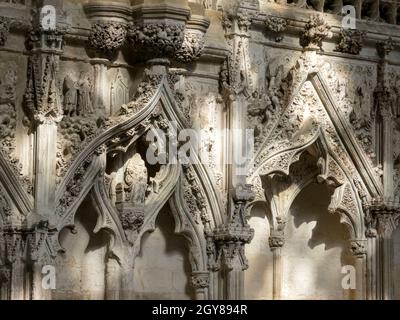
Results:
x,y
315,32
4,29
276,26
107,37
351,41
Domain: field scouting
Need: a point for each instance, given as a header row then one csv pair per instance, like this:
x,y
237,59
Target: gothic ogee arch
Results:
x,y
189,189
319,128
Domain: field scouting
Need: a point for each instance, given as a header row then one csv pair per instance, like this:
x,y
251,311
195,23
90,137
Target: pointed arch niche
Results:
x,y
82,262
151,218
162,268
316,248
312,178
259,276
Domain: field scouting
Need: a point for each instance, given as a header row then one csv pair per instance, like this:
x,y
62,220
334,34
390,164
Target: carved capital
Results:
x,y
244,20
107,37
200,280
243,193
193,43
381,217
229,242
276,241
192,47
358,248
277,238
133,219
157,40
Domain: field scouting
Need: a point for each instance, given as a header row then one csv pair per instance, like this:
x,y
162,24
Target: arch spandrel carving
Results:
x,y
312,123
306,76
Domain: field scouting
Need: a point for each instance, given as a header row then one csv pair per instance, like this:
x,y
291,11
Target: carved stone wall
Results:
x,y
95,109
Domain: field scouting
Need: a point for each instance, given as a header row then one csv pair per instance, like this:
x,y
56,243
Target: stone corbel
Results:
x,y
358,247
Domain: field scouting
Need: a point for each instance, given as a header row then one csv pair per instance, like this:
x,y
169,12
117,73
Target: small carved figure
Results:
x,y
70,92
135,179
85,105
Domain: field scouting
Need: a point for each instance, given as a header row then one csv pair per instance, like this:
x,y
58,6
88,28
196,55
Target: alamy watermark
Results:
x,y
349,20
349,281
48,18
189,146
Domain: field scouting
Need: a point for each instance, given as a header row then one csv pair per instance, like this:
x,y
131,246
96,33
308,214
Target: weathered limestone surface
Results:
x,y
86,102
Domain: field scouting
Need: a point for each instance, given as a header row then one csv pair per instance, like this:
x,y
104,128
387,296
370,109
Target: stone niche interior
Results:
x,y
84,102
162,269
316,250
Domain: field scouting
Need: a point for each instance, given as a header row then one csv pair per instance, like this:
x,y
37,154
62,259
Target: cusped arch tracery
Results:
x,y
320,165
311,139
173,183
311,122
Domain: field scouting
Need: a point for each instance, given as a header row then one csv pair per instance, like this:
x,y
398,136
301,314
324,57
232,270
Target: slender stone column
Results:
x,y
381,219
113,279
45,164
230,240
276,242
371,264
14,265
382,211
100,92
384,114
358,248
232,236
